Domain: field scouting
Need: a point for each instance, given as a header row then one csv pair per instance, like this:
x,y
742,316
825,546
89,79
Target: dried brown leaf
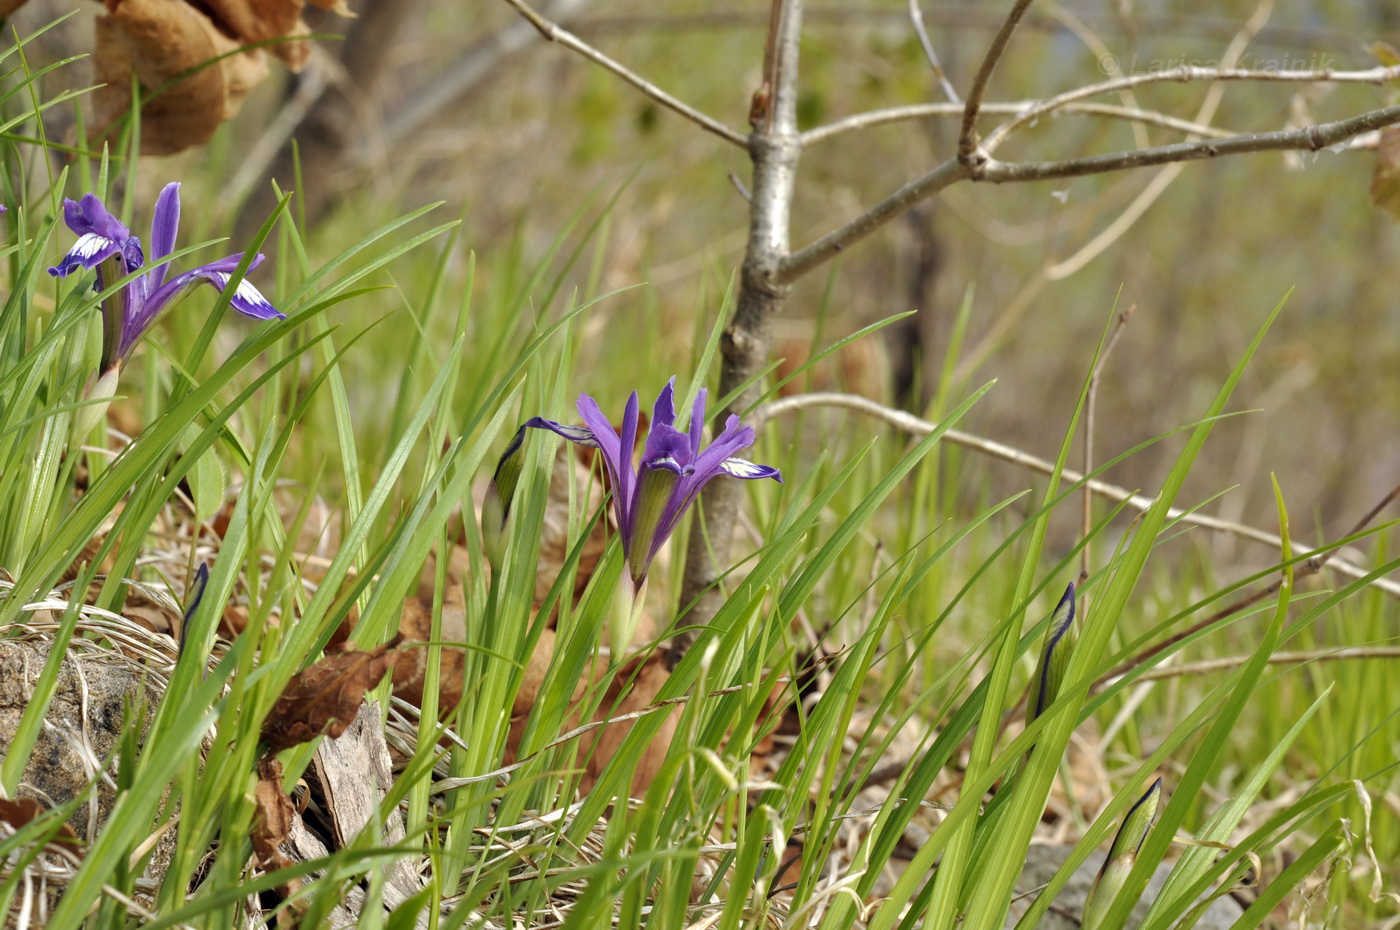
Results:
x,y
1385,179
263,20
633,687
325,696
339,7
272,821
161,40
411,667
20,811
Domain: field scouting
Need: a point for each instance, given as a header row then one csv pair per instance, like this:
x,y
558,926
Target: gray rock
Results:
x,y
1042,862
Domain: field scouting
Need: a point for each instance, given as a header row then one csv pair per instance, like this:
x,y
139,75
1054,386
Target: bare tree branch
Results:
x,y
556,33
918,426
916,16
1308,139
924,110
810,256
1185,74
1277,658
967,138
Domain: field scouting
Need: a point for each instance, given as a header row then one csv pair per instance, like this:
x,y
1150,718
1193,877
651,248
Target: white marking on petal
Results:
x,y
668,462
743,468
89,244
580,434
251,295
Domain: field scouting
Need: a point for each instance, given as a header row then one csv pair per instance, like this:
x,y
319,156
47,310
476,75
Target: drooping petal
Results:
x,y
164,225
734,438
246,299
89,251
579,434
742,468
100,236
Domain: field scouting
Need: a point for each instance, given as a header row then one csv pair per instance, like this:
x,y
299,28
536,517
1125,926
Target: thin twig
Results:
x,y
556,33
967,138
1310,567
916,16
1309,138
738,183
1182,75
917,426
925,110
1089,411
1278,658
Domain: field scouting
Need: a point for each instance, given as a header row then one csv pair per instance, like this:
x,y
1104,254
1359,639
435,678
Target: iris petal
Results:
x,y
579,434
743,468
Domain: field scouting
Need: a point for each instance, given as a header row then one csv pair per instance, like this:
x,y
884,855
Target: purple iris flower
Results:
x,y
107,245
650,500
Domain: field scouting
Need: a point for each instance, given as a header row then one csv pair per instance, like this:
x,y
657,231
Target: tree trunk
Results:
x,y
774,148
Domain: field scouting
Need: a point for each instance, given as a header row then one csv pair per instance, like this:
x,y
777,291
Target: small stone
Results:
x,y
1043,861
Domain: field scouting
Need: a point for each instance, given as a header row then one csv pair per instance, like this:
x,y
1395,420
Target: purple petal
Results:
x,y
89,251
604,435
667,448
579,434
697,423
627,439
90,216
100,236
664,412
164,226
246,299
743,468
734,438
610,448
